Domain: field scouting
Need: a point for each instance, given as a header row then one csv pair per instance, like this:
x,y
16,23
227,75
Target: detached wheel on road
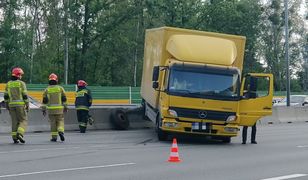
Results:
x,y
118,119
162,136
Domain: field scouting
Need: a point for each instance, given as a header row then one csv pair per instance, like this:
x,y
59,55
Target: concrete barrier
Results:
x,y
284,114
37,122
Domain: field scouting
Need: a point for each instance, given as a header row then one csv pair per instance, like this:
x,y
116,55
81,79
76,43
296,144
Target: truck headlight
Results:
x,y
173,113
231,118
170,124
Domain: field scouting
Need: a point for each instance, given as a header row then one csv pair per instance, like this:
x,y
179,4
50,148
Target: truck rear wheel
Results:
x,y
162,136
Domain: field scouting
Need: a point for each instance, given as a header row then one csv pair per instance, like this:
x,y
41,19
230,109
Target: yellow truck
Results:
x,y
192,83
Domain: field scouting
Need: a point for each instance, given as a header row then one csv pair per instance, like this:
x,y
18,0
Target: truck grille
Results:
x,y
202,114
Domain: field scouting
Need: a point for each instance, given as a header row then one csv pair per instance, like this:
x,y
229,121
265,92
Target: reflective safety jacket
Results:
x,y
54,99
83,99
16,93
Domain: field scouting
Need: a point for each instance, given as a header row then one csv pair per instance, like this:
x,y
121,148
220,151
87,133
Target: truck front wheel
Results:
x,y
226,139
162,136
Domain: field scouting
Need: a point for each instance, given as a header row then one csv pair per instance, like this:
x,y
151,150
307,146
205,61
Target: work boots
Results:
x,y
90,120
15,141
61,134
53,139
20,137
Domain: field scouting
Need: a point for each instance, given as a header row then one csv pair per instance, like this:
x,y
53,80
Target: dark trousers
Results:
x,y
82,116
253,133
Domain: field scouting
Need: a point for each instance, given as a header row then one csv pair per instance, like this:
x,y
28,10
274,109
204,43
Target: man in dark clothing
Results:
x,y
83,102
253,134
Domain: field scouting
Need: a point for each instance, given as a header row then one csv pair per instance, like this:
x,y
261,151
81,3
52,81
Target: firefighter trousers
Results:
x,y
19,120
82,116
56,124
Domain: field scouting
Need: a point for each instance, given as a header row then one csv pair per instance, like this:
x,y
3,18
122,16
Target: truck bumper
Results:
x,y
205,128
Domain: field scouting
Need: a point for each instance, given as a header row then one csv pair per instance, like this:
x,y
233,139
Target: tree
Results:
x,y
273,44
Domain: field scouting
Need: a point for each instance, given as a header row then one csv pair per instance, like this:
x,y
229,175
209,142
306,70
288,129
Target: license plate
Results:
x,y
198,126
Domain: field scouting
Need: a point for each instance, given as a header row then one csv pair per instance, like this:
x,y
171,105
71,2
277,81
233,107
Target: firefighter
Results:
x,y
17,102
54,101
83,102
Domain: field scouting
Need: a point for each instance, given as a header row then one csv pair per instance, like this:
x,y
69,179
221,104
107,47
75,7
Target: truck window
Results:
x,y
165,76
203,84
256,87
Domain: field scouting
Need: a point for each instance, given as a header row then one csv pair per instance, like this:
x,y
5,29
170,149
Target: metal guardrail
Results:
x,y
100,94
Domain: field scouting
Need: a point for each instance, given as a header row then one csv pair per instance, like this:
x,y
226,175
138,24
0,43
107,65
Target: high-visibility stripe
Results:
x,y
83,124
61,129
82,108
13,133
54,133
174,154
20,130
174,145
55,107
17,103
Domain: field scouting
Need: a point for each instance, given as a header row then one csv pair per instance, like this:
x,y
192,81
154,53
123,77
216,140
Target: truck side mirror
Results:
x,y
155,85
155,73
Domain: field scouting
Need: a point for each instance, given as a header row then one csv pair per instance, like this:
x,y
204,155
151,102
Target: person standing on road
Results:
x,y
253,134
83,102
17,103
54,101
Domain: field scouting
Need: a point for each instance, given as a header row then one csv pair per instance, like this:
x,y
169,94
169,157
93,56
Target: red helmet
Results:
x,y
17,72
53,76
81,83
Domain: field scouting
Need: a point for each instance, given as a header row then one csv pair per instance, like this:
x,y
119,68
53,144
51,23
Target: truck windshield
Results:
x,y
218,84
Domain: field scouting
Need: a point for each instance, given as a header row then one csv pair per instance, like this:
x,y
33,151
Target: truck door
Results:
x,y
257,95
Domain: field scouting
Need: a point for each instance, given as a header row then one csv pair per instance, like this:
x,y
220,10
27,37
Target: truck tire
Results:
x,y
118,119
162,136
226,139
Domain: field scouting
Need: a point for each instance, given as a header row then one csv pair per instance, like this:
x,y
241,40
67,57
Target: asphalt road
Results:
x,y
281,153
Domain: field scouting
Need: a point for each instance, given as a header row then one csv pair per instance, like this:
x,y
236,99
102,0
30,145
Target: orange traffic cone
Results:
x,y
174,153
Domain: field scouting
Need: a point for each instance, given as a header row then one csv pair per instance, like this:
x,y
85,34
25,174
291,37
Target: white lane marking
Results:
x,y
63,170
302,146
35,150
286,177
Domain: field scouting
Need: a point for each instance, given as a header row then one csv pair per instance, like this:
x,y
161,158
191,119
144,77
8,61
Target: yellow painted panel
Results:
x,y
38,95
202,49
2,87
111,101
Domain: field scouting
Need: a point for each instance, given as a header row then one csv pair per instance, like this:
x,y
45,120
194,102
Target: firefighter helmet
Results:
x,y
17,72
82,83
53,77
